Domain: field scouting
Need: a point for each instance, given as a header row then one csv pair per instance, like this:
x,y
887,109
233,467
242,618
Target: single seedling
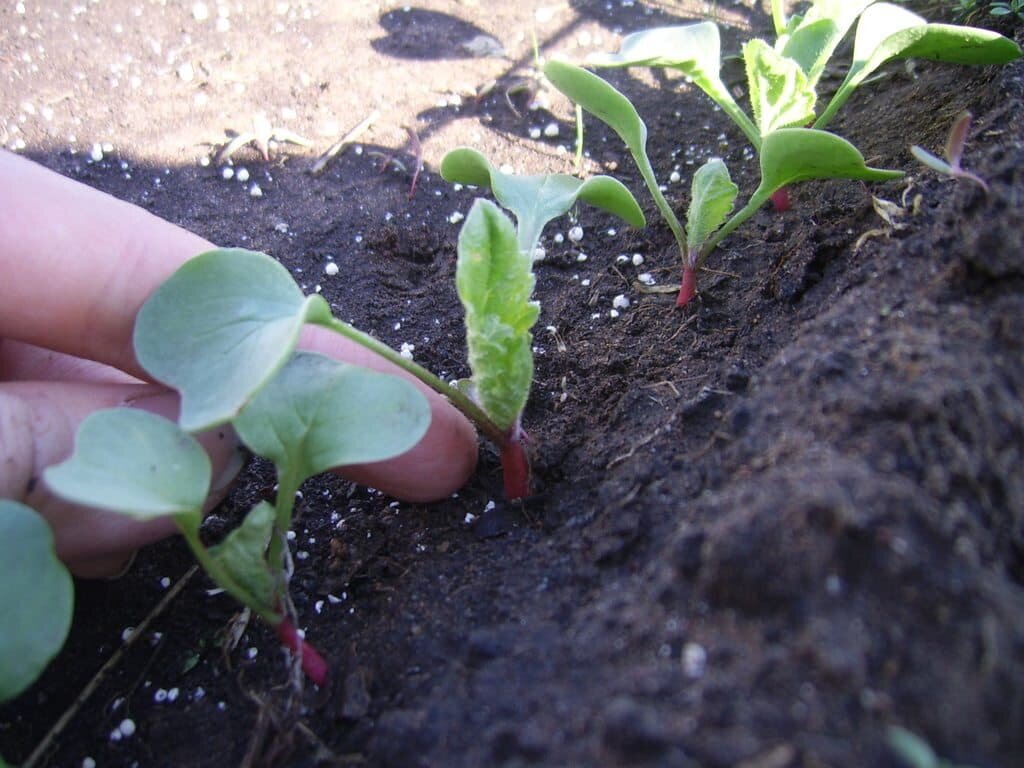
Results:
x,y
312,415
495,280
261,135
951,166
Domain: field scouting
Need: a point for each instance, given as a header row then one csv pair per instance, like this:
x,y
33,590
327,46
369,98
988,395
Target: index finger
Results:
x,y
77,264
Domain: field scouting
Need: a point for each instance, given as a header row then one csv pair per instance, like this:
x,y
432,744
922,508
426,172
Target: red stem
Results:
x,y
689,287
780,200
313,663
515,465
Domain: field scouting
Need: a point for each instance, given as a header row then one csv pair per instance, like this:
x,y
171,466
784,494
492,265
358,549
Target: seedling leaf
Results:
x,y
954,154
712,199
886,31
935,163
693,49
494,282
602,100
780,93
536,200
792,155
911,747
36,598
317,413
242,556
219,328
815,37
135,463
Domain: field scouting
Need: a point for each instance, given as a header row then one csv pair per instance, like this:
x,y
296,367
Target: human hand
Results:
x,y
75,267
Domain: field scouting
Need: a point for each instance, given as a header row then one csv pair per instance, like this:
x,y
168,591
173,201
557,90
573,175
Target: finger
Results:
x,y
24,362
85,262
38,421
439,464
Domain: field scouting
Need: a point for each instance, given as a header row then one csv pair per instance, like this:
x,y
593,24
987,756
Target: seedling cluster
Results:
x,y
232,354
782,81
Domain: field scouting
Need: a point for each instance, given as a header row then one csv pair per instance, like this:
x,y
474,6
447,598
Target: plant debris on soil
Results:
x,y
766,527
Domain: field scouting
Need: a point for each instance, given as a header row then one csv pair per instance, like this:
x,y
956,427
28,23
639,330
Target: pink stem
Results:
x,y
515,465
689,287
780,200
313,663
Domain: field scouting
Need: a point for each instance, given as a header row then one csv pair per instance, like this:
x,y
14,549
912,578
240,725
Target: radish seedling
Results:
x,y
788,155
36,598
951,166
312,415
494,279
783,78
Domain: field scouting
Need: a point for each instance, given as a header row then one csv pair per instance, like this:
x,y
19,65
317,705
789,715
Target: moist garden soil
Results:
x,y
766,527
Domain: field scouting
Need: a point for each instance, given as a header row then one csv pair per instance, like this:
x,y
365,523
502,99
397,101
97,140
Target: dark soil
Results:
x,y
766,527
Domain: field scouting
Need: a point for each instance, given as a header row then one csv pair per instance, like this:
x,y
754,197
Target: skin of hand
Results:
x,y
75,267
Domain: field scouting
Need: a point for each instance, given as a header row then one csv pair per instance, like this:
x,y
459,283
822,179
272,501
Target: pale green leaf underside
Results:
x,y
713,195
818,33
602,100
888,32
242,556
927,158
779,91
133,462
318,413
495,282
219,328
536,200
36,598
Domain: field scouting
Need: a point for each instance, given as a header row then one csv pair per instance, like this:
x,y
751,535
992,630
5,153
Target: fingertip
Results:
x,y
437,466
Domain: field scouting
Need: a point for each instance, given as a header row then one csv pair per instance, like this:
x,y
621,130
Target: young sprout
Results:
x,y
494,279
951,167
788,155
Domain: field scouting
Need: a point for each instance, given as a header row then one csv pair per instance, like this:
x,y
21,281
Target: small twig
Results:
x,y
58,728
337,147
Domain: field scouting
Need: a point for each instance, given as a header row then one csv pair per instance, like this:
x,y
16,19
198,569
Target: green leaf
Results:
x,y
817,35
693,49
36,598
779,91
536,200
318,413
792,155
927,158
133,462
888,31
494,281
712,198
139,464
602,100
242,556
219,328
911,747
